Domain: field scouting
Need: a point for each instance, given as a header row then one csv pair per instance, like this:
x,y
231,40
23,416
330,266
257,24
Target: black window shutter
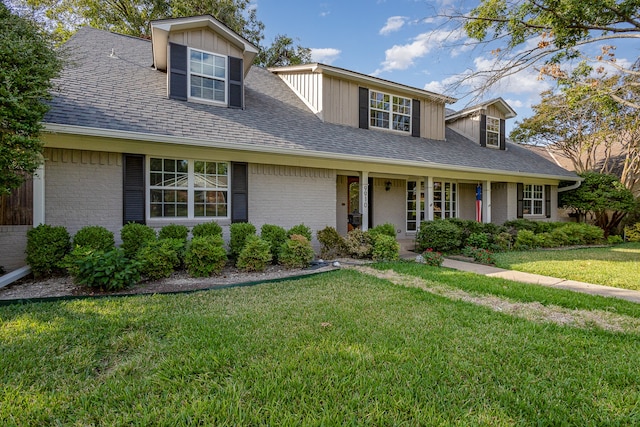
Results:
x,y
520,196
133,200
503,137
547,201
239,192
363,104
483,130
178,72
235,82
415,118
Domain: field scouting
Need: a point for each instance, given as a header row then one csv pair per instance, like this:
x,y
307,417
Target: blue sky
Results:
x,y
400,40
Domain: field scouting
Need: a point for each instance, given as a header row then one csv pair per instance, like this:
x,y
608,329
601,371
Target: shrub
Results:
x,y
385,229
255,256
108,271
134,236
431,257
439,235
46,249
478,240
526,239
205,256
358,244
206,229
239,233
71,259
503,241
174,231
632,232
302,230
160,258
276,236
385,248
94,237
480,255
332,243
614,239
296,252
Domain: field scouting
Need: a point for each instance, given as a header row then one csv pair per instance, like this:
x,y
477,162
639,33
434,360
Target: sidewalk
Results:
x,y
517,276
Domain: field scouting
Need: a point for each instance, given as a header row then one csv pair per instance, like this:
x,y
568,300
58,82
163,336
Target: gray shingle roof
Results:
x,y
125,93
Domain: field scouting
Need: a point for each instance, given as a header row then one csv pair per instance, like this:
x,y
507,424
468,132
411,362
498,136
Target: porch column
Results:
x,y
486,202
428,198
364,200
38,196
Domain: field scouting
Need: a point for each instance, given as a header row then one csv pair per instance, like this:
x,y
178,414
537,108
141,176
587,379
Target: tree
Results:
x,y
601,195
545,33
283,52
29,64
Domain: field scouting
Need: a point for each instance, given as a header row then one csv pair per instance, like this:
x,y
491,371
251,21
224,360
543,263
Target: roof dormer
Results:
x,y
205,61
483,123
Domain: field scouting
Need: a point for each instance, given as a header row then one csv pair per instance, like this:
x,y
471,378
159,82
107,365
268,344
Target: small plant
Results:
x,y
632,232
109,271
239,233
480,255
432,258
174,231
478,240
134,236
206,229
503,241
439,235
358,244
614,239
526,239
385,248
95,237
255,256
276,236
46,249
332,243
160,258
205,256
296,252
300,229
386,229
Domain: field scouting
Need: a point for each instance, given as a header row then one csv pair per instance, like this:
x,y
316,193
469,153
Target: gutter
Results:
x,y
570,187
239,146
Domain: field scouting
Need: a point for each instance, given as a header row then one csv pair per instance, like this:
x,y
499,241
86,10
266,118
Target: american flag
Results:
x,y
479,203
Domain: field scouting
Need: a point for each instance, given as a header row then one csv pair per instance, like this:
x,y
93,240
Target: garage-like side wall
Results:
x,y
83,188
288,196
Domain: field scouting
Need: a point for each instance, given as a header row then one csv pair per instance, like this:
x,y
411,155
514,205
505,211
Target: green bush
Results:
x,y
480,255
94,237
478,240
302,230
358,244
174,231
526,239
160,258
332,243
276,236
386,229
205,256
134,236
503,241
296,252
632,232
439,235
385,248
109,271
431,257
255,256
239,231
206,229
46,249
614,239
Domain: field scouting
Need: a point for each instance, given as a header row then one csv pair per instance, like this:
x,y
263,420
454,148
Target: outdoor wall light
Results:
x,y
387,186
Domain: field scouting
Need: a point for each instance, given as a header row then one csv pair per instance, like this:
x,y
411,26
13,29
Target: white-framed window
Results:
x,y
493,132
533,199
445,199
415,205
188,189
389,112
207,76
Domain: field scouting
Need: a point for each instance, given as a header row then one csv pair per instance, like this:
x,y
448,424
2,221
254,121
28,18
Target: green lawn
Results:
x,y
617,266
333,349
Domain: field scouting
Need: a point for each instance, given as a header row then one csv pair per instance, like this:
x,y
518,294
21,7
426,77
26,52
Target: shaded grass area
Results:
x,y
617,266
334,349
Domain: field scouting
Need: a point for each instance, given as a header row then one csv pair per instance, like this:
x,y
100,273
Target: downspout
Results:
x,y
569,187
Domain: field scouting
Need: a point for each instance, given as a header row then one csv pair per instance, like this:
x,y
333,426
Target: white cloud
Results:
x,y
394,23
516,103
325,55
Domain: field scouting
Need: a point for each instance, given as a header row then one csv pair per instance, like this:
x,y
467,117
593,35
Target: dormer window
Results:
x,y
207,76
493,132
389,112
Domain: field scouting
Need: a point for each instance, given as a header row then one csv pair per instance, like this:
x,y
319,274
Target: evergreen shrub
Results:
x,y
255,256
206,229
302,230
95,237
109,271
46,248
134,236
160,258
239,231
439,235
205,256
174,231
296,252
385,248
332,243
276,236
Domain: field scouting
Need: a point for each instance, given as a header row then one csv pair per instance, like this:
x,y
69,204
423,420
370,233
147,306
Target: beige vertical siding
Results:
x,y
495,112
308,87
467,201
205,39
468,126
499,200
340,99
390,206
342,204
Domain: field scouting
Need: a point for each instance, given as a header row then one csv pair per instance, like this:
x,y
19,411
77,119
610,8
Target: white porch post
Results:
x,y
428,198
38,196
364,200
486,202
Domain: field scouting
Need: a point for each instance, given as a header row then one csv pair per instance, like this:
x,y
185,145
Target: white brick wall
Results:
x,y
13,242
83,188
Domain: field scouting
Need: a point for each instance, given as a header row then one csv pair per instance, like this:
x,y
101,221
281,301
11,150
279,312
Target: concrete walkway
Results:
x,y
517,276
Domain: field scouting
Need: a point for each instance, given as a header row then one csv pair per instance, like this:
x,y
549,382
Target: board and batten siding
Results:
x,y
493,111
308,87
468,126
207,40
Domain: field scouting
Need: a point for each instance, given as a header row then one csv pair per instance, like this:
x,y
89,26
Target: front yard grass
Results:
x,y
617,266
332,349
